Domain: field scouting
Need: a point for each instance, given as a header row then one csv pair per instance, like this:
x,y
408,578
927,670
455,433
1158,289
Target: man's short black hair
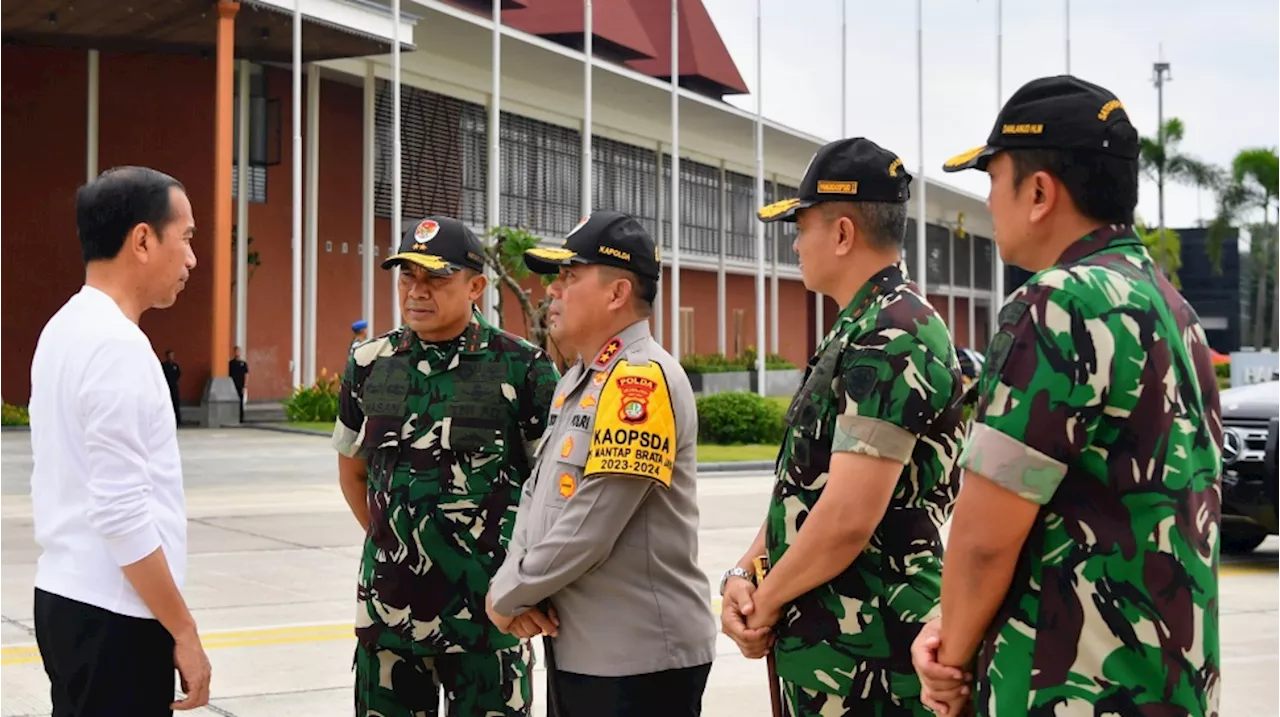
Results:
x,y
116,201
1104,187
643,289
884,224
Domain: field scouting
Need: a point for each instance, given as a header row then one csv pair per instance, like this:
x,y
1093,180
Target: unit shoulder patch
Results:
x,y
635,428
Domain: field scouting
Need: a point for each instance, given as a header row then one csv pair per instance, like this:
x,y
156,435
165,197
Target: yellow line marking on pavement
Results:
x,y
259,637
327,632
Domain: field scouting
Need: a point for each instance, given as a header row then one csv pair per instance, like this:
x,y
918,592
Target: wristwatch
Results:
x,y
735,572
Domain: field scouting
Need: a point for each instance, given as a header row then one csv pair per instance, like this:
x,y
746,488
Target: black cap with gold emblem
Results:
x,y
847,170
606,237
441,245
1061,112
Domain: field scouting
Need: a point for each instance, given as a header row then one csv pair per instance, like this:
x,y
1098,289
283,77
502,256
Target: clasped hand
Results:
x,y
752,630
530,623
943,689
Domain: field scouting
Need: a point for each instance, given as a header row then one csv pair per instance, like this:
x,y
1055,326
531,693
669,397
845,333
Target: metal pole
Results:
x,y
969,239
659,306
776,231
921,255
495,168
721,289
370,157
588,35
91,124
295,360
242,210
397,201
1068,32
760,345
997,278
311,254
1161,69
951,280
676,214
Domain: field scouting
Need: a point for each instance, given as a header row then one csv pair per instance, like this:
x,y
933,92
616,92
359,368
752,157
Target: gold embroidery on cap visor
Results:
x,y
964,159
777,209
834,187
551,256
430,262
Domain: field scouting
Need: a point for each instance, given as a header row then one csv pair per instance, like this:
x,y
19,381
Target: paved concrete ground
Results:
x,y
273,567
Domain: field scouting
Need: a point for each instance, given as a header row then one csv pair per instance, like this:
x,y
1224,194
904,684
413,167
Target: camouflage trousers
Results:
x,y
804,702
390,683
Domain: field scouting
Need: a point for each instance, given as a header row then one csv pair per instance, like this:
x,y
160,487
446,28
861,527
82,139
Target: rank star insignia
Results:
x,y
567,447
568,486
609,350
635,392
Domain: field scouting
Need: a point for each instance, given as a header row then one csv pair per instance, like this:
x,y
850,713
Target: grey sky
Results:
x,y
1223,57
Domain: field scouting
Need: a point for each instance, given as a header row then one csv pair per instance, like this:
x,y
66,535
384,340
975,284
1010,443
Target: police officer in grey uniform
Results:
x,y
606,537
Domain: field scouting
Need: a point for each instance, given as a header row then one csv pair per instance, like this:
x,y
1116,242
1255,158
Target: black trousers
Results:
x,y
670,693
102,664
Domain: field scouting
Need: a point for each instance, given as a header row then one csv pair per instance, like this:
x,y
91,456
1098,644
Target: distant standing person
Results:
x,y
171,375
237,369
106,487
359,332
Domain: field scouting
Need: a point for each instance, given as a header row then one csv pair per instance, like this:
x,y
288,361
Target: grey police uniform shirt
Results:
x,y
615,554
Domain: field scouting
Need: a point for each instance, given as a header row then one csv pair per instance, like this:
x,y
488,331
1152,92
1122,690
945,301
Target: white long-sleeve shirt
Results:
x,y
106,487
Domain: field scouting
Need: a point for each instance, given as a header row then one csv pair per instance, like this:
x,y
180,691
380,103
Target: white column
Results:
x,y
1067,3
970,239
773,279
91,124
922,255
242,211
311,254
659,305
760,202
370,159
722,341
397,200
676,214
495,166
588,61
997,271
295,356
951,281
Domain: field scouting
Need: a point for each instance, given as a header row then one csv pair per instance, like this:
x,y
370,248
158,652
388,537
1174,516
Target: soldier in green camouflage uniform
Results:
x,y
438,418
1081,574
866,472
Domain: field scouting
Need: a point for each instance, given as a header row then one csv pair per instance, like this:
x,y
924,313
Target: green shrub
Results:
x,y
739,417
717,363
317,403
11,415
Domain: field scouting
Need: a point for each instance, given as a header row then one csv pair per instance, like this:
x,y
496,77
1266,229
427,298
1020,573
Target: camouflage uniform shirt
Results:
x,y
1099,403
446,430
884,382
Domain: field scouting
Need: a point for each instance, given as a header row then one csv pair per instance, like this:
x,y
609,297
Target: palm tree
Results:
x,y
1255,184
1165,247
1161,161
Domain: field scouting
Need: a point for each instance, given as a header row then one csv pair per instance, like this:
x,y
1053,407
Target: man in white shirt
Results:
x,y
106,487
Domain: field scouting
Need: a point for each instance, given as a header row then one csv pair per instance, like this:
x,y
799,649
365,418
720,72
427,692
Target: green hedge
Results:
x,y
12,415
739,417
318,402
717,363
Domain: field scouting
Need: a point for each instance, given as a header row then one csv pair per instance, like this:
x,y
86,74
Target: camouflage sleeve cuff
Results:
x,y
872,437
1012,464
345,440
